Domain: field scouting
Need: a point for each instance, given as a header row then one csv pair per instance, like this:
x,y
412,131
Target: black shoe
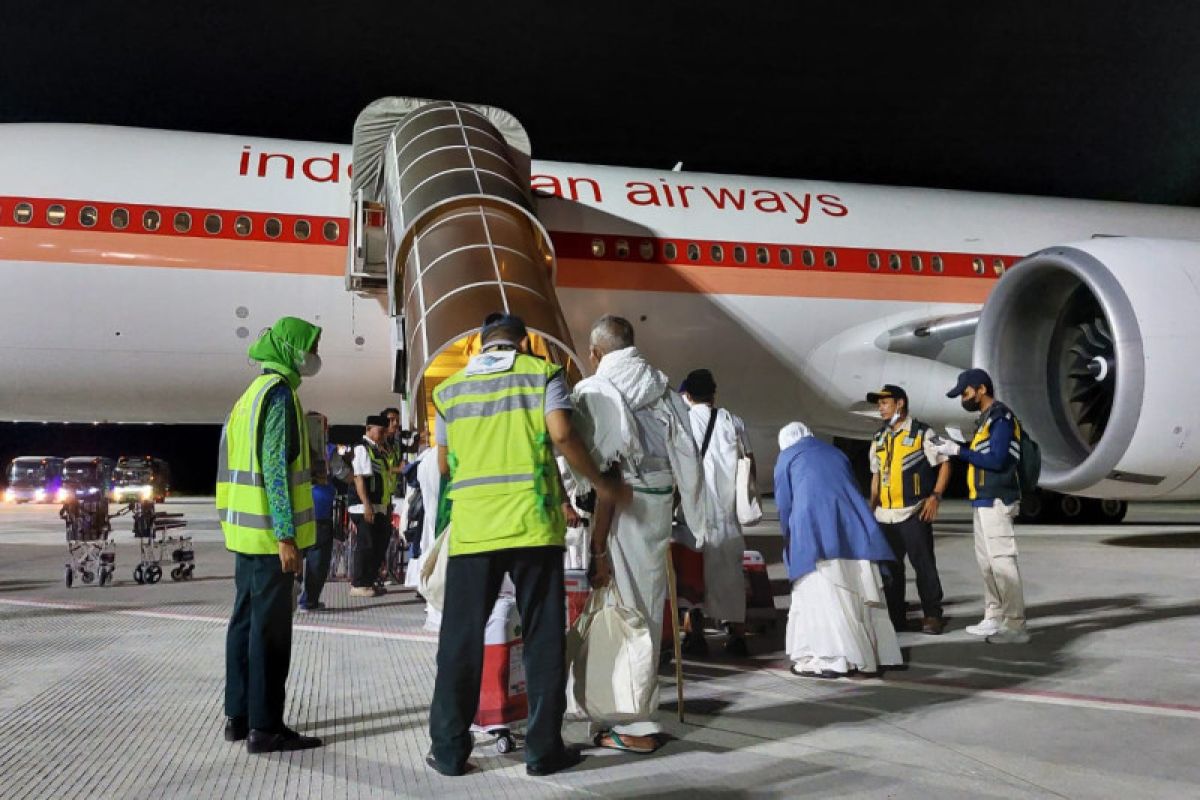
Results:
x,y
566,759
236,729
736,647
285,740
432,763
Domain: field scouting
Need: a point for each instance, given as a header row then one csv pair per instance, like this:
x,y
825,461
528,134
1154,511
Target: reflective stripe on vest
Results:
x,y
905,475
243,506
504,483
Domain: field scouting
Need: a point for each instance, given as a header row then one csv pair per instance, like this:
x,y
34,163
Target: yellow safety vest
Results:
x,y
984,484
242,504
504,486
905,476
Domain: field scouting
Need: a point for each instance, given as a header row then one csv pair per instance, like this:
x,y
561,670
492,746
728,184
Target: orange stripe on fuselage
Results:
x,y
177,252
643,277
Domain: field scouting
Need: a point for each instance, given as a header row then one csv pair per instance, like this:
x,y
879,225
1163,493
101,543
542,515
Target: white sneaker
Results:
x,y
987,627
1009,636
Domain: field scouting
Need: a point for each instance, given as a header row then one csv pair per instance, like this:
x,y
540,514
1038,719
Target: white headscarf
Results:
x,y
791,433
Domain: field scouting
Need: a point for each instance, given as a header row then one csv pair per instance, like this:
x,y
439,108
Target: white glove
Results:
x,y
949,448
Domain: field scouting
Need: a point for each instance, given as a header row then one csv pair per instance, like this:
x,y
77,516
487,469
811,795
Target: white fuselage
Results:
x,y
113,323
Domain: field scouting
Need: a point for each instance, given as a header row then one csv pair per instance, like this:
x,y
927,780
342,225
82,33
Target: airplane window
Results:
x,y
785,256
894,262
242,226
302,229
646,249
873,260
936,262
183,221
762,255
622,248
212,224
830,259
151,220
56,214
998,266
598,248
120,218
977,265
693,251
88,216
807,257
717,253
915,262
739,254
273,228
23,213
330,231
670,252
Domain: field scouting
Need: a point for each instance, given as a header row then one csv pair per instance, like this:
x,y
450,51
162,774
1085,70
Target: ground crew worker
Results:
x,y
906,491
496,422
265,505
996,497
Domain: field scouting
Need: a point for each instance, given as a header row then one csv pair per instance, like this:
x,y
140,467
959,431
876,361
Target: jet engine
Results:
x,y
1096,347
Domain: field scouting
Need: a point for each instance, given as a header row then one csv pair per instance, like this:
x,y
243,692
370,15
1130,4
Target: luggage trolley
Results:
x,y
92,555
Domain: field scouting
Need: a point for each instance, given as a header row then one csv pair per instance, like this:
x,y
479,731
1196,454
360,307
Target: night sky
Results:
x,y
1073,99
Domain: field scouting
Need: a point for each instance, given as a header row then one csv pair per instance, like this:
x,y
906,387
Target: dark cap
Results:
x,y
377,419
510,323
889,390
971,377
699,383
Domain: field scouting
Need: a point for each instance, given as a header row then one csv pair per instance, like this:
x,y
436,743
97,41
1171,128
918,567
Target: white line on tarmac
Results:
x,y
340,630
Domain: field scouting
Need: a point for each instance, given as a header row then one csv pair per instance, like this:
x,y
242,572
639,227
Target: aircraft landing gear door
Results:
x,y
463,238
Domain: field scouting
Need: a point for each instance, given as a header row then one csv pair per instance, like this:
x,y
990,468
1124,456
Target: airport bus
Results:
x,y
34,479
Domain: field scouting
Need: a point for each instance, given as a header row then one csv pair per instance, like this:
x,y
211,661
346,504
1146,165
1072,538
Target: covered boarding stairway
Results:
x,y
445,232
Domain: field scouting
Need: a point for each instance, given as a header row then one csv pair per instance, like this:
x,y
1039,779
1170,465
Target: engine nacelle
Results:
x,y
1094,345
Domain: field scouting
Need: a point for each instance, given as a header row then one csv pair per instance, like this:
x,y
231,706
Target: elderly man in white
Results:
x,y
635,423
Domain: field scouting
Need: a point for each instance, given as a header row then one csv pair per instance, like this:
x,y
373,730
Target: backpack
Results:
x,y
1029,467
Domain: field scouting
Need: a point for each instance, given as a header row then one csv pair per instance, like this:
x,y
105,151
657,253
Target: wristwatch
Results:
x,y
937,496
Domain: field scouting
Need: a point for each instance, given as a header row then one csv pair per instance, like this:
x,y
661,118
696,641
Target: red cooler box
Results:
x,y
577,590
502,696
760,603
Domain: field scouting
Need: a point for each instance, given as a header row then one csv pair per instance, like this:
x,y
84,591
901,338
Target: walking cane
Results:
x,y
675,632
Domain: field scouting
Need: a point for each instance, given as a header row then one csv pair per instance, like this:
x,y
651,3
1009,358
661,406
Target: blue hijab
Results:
x,y
821,511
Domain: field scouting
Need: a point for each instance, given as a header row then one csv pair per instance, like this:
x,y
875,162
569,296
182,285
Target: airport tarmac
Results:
x,y
117,691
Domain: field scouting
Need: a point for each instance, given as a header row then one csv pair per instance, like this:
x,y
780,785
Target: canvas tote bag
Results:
x,y
612,660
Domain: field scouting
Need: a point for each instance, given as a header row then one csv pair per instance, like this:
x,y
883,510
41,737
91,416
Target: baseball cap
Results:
x,y
509,322
971,377
888,390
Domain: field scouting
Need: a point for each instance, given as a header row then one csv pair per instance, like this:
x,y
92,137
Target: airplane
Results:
x,y
139,264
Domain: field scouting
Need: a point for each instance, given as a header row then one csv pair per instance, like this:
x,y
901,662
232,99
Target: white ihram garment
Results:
x,y
724,584
839,620
429,478
628,415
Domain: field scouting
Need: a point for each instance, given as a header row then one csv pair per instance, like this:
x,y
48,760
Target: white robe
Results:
x,y
839,620
429,478
724,583
628,415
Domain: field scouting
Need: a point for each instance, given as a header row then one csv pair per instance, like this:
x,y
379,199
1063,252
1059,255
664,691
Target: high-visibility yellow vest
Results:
x,y
1003,485
242,504
905,475
504,485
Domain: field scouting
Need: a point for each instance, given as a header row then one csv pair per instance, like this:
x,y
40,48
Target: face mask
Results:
x,y
309,366
895,418
971,405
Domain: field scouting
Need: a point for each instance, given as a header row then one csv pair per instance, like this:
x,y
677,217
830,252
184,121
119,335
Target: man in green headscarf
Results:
x,y
265,504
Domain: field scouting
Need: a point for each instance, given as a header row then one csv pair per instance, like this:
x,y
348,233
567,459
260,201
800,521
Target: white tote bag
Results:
x,y
749,510
612,660
432,583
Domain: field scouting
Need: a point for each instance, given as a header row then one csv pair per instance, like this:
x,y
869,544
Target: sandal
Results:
x,y
615,742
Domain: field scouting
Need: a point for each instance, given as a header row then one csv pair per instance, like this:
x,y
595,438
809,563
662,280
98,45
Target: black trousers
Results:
x,y
370,548
316,564
913,538
258,645
472,585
